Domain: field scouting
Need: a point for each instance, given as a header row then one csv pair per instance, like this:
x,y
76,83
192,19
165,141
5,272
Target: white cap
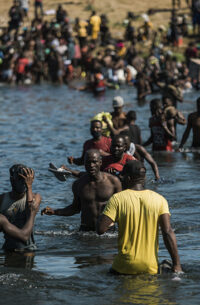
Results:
x,y
118,101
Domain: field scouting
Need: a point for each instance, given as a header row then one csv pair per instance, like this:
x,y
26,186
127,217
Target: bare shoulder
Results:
x,y
192,116
3,219
80,182
112,179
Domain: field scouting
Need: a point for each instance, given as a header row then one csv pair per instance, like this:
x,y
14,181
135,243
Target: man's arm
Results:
x,y
113,130
169,129
70,210
148,142
103,224
170,241
25,232
144,154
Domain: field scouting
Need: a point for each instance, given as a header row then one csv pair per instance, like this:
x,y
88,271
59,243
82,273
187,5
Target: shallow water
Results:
x,y
48,123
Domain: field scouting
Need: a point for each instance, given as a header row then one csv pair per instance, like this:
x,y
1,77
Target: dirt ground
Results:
x,y
116,10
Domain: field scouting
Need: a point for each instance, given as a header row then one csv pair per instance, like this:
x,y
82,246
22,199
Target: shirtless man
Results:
x,y
161,136
91,193
194,124
118,116
15,205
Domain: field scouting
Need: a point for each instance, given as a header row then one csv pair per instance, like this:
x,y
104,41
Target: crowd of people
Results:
x,y
112,187
61,50
110,190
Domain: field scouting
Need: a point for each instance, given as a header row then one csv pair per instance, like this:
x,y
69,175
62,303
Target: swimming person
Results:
x,y
91,193
139,213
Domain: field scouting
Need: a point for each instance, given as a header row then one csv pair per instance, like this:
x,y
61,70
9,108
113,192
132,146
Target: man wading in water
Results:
x,y
91,192
16,206
138,212
194,124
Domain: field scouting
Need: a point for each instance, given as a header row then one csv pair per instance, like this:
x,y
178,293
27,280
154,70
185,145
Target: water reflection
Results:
x,y
19,260
142,290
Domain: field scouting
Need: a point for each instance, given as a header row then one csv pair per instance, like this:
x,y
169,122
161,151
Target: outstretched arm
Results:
x,y
148,142
170,241
103,224
70,210
144,154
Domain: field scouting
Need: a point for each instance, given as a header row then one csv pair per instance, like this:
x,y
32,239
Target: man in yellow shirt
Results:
x,y
95,22
139,213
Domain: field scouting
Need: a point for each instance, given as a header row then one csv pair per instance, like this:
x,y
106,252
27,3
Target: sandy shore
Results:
x,y
116,10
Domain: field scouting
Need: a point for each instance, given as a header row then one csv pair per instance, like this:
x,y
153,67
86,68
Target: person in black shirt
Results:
x,y
134,130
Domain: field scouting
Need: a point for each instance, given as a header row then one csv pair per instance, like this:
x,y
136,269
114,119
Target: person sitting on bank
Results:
x,y
15,205
139,213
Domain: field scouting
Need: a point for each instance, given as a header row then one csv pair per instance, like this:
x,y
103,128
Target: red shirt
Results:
x,y
22,63
109,162
104,144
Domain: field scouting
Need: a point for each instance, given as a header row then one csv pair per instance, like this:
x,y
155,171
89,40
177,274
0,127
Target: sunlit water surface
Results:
x,y
46,124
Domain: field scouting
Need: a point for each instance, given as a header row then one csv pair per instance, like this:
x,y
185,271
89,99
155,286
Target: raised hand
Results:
x,y
28,176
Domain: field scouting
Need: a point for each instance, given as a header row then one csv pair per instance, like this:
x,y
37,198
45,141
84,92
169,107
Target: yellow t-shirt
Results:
x,y
95,21
136,213
82,31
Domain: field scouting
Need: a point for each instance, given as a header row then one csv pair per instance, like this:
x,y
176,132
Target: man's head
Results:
x,y
167,101
93,162
127,139
118,103
131,116
17,182
134,172
156,106
198,105
118,147
96,129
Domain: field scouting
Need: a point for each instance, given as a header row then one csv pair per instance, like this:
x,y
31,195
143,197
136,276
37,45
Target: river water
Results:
x,y
46,124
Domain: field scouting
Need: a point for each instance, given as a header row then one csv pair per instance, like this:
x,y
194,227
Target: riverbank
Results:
x,y
115,10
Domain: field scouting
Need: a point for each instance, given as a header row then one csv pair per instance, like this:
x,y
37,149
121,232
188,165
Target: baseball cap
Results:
x,y
118,101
